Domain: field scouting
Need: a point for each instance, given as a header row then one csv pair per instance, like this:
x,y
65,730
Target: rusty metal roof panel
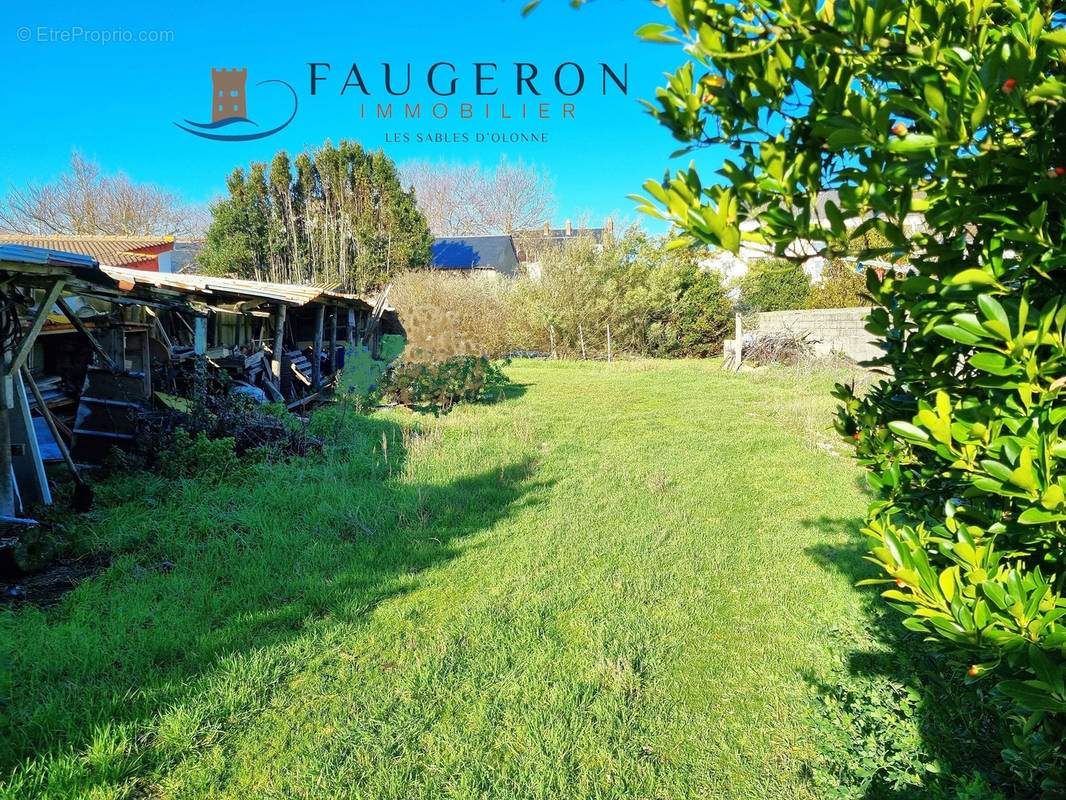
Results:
x,y
198,284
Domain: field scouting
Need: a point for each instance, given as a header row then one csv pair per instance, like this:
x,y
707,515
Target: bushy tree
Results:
x,y
700,315
954,110
654,297
842,284
336,215
773,285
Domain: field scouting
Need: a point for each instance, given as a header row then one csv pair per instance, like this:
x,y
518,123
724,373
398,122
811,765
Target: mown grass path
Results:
x,y
613,584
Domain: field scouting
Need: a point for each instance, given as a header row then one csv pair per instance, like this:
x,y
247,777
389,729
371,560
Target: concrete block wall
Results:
x,y
837,330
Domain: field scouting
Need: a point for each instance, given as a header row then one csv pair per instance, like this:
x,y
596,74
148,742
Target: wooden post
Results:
x,y
738,346
75,320
581,337
46,412
332,362
11,362
316,348
30,336
7,482
199,349
279,342
7,396
608,343
199,335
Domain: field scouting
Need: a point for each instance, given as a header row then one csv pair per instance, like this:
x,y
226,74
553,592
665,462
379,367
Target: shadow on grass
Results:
x,y
900,720
291,547
513,391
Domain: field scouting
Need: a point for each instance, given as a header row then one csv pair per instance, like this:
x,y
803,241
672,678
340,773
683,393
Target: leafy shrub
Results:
x,y
442,384
843,282
701,314
655,298
841,285
956,111
199,457
965,445
771,285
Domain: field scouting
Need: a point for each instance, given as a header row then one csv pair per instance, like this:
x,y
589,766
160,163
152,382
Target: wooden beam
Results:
x,y
161,332
199,339
332,363
7,390
279,342
199,349
7,475
316,347
31,480
46,412
30,336
75,320
273,391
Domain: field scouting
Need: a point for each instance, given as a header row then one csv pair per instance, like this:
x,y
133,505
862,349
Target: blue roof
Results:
x,y
475,252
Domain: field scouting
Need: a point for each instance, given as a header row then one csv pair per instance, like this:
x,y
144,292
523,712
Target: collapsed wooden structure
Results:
x,y
85,347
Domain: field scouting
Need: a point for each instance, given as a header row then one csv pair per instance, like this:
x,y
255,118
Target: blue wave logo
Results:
x,y
229,106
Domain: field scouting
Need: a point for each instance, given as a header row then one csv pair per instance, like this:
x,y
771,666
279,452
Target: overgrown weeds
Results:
x,y
439,385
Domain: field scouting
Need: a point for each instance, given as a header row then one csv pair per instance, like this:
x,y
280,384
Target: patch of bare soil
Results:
x,y
48,586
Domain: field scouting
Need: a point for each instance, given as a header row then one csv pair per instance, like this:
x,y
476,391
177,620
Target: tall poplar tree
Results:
x,y
335,215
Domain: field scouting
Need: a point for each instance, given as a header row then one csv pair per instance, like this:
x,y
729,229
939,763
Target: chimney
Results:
x,y
569,228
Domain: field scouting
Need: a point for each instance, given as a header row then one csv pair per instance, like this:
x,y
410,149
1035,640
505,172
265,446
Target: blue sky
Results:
x,y
116,101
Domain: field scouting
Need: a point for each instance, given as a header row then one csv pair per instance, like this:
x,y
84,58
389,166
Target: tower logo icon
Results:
x,y
229,107
228,94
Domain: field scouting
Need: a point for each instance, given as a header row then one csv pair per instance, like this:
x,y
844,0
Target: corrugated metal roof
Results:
x,y
23,254
164,287
207,285
115,250
81,269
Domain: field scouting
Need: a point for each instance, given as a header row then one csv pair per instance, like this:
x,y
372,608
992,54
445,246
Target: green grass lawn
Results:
x,y
629,580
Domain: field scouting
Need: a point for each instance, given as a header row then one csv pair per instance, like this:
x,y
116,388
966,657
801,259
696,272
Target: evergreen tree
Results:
x,y
335,215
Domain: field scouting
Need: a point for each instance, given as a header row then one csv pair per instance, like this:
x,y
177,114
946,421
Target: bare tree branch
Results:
x,y
471,199
83,201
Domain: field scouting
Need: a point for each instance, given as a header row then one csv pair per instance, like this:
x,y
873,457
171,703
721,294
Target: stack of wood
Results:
x,y
53,392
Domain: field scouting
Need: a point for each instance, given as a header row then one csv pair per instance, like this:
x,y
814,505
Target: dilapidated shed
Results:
x,y
240,325
86,348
